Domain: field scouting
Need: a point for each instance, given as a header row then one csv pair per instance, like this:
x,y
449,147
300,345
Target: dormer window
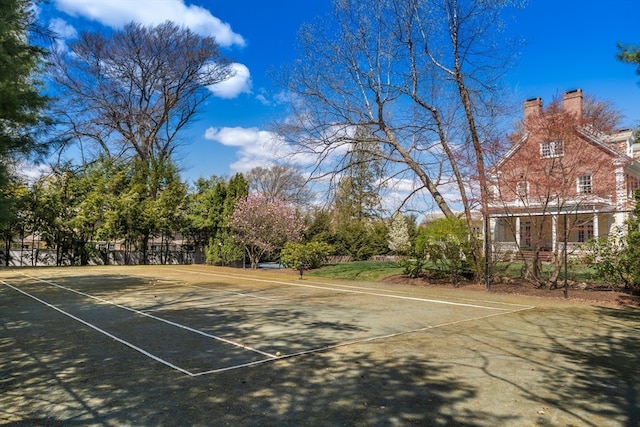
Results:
x,y
551,149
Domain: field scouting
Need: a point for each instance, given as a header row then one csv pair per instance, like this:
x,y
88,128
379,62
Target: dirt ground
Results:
x,y
572,362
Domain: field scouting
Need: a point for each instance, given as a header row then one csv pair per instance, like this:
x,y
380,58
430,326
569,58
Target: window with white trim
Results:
x,y
585,184
551,149
585,231
525,235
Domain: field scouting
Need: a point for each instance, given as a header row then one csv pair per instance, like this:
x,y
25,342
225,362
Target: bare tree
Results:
x,y
422,76
137,88
131,92
280,182
600,114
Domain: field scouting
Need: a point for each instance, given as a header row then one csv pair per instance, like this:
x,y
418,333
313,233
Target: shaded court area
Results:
x,y
210,346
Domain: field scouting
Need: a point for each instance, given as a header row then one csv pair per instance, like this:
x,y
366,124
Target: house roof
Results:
x,y
514,148
618,136
599,139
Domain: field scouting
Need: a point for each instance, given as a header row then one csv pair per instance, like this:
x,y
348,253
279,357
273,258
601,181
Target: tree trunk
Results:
x,y
145,248
34,251
7,250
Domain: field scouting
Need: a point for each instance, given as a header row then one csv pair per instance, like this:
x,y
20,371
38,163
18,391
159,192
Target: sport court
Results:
x,y
200,320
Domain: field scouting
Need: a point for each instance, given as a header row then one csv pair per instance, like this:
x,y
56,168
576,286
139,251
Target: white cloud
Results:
x,y
255,147
231,88
278,99
239,136
32,172
117,13
64,31
263,100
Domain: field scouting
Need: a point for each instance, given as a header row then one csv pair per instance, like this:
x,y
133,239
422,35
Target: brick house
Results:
x,y
561,175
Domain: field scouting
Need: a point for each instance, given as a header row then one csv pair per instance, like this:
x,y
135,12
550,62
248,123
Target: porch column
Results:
x,y
493,230
518,231
595,225
554,232
621,197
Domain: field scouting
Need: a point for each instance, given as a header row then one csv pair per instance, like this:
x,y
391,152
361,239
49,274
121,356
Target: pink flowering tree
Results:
x,y
264,225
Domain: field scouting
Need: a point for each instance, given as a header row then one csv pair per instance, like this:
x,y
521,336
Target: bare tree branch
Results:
x,y
136,88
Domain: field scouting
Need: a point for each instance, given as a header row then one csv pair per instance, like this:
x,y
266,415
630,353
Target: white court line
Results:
x,y
361,341
274,357
222,291
170,285
242,294
219,304
350,290
102,331
458,298
142,313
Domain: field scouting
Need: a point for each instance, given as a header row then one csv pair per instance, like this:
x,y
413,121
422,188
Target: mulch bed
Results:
x,y
577,292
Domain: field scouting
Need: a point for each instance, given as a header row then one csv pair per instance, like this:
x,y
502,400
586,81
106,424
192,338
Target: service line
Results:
x,y
142,313
351,291
102,331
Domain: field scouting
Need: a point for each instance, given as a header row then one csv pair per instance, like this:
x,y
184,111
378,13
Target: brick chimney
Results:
x,y
572,102
532,108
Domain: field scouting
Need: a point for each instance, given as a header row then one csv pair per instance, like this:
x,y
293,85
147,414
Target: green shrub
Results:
x,y
614,261
447,244
306,255
412,267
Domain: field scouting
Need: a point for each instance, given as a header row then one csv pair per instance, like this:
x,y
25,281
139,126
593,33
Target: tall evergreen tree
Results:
x,y
222,248
629,54
21,100
203,212
359,233
357,196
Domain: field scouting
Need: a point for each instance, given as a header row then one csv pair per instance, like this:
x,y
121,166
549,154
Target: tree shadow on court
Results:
x,y
605,366
360,389
58,373
93,282
584,364
76,386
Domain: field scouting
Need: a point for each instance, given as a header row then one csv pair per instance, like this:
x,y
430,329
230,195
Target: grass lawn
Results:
x,y
575,272
359,270
377,270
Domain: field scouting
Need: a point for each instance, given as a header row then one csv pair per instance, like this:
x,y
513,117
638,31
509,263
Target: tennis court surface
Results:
x,y
202,321
199,345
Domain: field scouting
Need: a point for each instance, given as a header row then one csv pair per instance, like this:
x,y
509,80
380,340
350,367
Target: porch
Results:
x,y
515,236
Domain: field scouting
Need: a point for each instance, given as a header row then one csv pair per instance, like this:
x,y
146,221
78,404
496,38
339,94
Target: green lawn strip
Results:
x,y
359,270
378,270
575,272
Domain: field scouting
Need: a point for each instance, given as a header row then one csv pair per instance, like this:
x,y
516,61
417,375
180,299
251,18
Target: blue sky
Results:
x,y
568,44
